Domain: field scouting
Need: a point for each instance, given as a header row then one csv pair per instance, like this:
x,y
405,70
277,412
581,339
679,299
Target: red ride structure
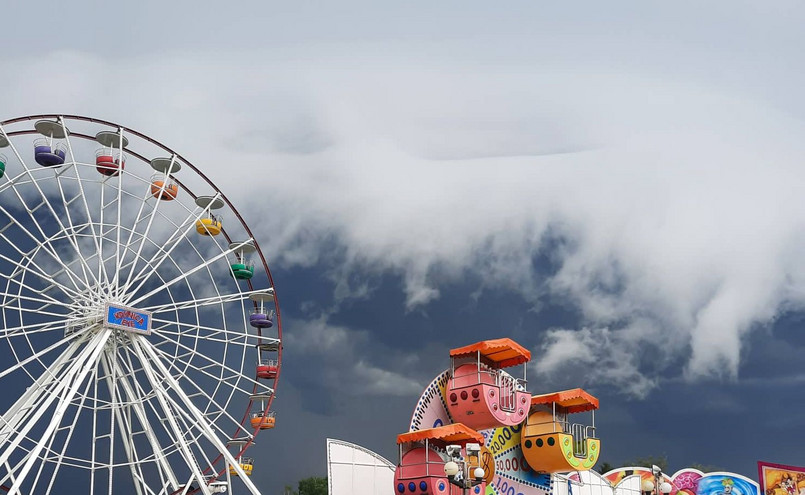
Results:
x,y
480,394
423,455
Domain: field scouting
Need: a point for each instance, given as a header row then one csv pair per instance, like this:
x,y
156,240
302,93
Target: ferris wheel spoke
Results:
x,y
50,279
82,193
35,328
116,281
213,331
151,217
211,337
72,339
197,416
40,245
20,268
200,392
35,311
136,395
45,300
57,460
204,301
182,276
152,214
69,386
9,298
109,365
162,254
45,201
66,203
211,363
156,380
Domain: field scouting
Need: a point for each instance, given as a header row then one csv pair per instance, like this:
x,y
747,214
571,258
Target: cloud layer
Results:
x,y
656,201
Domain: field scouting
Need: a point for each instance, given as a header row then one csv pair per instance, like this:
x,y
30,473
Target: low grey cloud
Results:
x,y
343,362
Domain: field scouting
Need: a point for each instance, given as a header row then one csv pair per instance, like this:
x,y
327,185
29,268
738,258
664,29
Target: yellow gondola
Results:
x,y
246,464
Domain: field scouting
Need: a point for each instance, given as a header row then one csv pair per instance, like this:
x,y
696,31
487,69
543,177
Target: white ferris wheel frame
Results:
x,y
145,378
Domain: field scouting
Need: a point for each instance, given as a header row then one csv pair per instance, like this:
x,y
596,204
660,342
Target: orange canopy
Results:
x,y
456,432
575,400
503,352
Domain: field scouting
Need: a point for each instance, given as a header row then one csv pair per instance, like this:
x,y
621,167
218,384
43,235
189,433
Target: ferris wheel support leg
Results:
x,y
142,417
163,400
83,366
129,447
202,422
13,417
69,437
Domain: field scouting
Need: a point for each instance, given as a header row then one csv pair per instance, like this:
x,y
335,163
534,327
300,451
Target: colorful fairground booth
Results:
x,y
479,393
550,442
444,460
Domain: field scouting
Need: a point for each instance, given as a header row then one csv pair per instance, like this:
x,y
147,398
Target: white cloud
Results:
x,y
676,201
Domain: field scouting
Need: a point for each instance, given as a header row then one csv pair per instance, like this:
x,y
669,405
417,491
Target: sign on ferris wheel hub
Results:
x,y
128,319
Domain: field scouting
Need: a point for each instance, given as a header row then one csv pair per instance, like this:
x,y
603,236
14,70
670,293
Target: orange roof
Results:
x,y
575,400
449,433
504,352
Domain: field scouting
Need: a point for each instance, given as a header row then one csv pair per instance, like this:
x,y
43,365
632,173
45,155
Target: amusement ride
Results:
x,y
476,429
141,335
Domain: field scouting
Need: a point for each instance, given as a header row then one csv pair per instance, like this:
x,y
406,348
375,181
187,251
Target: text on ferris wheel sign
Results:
x,y
129,319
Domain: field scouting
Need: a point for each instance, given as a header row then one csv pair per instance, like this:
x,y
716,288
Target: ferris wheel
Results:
x,y
141,336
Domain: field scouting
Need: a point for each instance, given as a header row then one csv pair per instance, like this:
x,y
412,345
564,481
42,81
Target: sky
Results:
x,y
615,185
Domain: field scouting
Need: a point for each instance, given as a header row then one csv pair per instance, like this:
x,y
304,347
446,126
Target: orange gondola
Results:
x,y
550,442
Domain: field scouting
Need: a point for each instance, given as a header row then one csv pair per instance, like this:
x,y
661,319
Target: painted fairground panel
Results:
x,y
691,481
726,484
617,476
779,479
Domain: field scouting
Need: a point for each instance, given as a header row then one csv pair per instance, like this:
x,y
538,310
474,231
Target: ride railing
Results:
x,y
268,362
270,414
432,468
580,434
508,387
520,383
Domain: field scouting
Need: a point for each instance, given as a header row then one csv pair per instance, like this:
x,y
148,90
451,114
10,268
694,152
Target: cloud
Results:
x,y
341,360
666,207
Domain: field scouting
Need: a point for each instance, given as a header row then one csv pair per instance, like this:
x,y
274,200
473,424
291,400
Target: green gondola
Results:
x,y
242,271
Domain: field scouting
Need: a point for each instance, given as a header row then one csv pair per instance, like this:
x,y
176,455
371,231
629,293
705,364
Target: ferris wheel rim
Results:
x,y
180,161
